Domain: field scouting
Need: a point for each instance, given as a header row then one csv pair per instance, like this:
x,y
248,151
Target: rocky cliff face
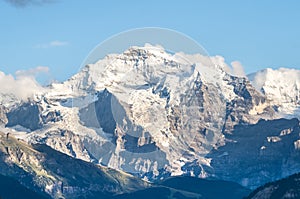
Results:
x,y
259,153
248,106
3,117
28,116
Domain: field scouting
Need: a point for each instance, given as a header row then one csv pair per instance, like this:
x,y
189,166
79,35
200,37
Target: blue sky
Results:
x,y
60,34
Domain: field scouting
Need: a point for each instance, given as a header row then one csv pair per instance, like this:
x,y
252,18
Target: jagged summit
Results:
x,y
148,65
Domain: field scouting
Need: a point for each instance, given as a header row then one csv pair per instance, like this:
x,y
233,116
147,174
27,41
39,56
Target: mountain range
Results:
x,y
131,121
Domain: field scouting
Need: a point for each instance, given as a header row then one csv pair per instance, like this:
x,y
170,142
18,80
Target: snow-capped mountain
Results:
x,y
281,87
155,114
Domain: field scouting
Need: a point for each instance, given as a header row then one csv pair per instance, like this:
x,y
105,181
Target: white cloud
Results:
x,y
55,43
24,85
32,72
58,43
237,69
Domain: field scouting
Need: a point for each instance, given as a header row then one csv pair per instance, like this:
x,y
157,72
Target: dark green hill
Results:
x,y
49,172
189,187
12,189
285,188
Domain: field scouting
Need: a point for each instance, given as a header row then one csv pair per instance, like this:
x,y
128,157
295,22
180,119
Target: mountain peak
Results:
x,y
281,87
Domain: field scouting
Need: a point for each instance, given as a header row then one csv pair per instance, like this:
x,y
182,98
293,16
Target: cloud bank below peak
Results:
x,y
24,84
234,68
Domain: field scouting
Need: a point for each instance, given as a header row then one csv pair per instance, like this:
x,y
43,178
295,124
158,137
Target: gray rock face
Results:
x,y
99,113
51,116
238,109
27,115
259,153
3,118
